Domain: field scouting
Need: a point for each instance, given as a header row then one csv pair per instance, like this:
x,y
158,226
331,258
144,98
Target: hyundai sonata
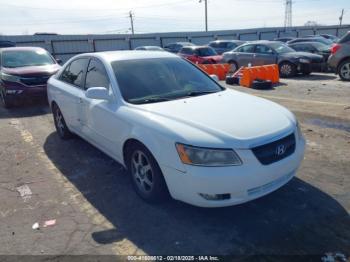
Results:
x,y
175,129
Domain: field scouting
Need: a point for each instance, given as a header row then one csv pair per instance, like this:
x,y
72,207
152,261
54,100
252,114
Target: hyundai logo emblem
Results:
x,y
280,150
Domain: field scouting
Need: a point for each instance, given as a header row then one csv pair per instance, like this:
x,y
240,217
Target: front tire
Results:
x,y
146,176
287,69
344,70
60,123
7,103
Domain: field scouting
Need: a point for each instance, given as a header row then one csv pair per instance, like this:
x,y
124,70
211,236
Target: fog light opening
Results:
x,y
215,197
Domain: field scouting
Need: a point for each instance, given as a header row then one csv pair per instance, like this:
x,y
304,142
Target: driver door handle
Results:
x,y
80,100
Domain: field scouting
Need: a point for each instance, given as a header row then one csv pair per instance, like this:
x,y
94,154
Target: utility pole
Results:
x,y
131,15
206,13
288,14
341,17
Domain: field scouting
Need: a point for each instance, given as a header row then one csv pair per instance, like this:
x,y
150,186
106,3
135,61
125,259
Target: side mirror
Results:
x,y
100,93
215,78
59,61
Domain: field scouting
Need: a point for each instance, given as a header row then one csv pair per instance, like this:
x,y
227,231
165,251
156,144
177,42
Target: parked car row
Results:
x,y
293,55
24,71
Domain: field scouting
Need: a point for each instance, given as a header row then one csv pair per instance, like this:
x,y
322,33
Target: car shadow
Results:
x,y
26,109
296,219
315,77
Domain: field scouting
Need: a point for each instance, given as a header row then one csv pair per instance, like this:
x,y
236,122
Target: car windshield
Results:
x,y
324,41
22,58
206,51
281,48
161,79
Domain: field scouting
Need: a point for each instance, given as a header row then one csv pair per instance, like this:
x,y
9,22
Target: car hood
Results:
x,y
46,70
227,118
301,55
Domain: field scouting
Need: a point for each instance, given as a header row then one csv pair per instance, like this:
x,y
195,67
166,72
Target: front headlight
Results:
x,y
299,133
201,156
9,78
304,61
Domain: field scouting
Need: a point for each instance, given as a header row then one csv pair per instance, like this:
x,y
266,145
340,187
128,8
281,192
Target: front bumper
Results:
x,y
242,183
312,67
16,92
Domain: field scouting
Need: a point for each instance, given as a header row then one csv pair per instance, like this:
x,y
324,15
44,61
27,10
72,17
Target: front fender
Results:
x,y
162,147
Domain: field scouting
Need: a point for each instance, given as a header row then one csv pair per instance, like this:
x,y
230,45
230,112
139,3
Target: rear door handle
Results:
x,y
80,100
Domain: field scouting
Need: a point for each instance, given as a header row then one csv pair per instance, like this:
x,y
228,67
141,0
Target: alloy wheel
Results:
x,y
142,172
286,69
345,71
59,121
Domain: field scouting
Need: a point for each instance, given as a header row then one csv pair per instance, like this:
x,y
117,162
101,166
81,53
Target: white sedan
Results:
x,y
176,129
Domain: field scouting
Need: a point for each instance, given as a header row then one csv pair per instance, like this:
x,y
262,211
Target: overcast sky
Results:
x,y
111,16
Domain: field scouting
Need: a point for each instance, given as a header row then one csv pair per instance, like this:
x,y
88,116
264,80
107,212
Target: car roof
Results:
x,y
22,48
111,56
305,43
227,40
197,46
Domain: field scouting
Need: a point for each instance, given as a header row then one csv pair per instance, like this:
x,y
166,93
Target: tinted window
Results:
x,y
345,38
206,51
187,51
74,72
21,58
263,49
168,78
232,45
96,75
303,47
246,49
281,48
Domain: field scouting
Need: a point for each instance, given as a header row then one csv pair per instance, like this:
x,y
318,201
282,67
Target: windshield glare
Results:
x,y
143,80
206,52
23,58
281,48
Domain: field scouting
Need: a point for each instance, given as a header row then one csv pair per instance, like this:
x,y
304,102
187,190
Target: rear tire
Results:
x,y
60,123
146,176
287,69
344,70
233,66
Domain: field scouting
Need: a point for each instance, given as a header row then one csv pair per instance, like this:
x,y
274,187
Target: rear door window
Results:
x,y
74,72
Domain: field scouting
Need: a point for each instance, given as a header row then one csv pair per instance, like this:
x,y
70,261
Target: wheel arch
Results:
x,y
341,61
162,147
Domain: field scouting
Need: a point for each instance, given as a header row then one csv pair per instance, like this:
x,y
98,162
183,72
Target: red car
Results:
x,y
24,72
200,54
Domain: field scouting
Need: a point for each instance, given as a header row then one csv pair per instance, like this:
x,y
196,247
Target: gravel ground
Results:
x,y
97,212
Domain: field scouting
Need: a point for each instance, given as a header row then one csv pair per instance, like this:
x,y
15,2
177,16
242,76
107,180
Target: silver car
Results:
x,y
339,59
260,53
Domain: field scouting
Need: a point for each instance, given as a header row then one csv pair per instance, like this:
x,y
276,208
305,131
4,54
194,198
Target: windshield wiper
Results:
x,y
198,93
152,100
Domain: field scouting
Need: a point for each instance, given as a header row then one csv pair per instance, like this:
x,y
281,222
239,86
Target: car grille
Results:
x,y
35,81
275,151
